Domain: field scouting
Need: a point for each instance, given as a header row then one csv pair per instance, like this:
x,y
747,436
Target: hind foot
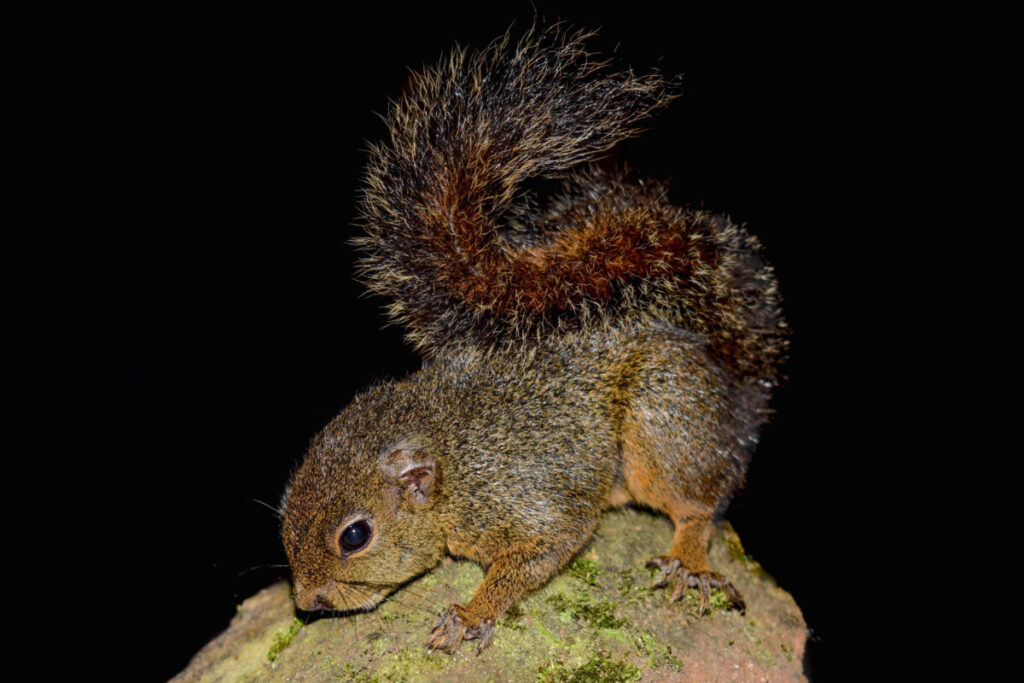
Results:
x,y
672,573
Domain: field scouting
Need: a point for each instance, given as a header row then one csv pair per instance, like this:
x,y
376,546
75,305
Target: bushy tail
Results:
x,y
446,240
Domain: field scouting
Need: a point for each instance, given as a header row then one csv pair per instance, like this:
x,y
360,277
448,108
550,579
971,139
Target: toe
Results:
x,y
672,573
730,592
704,582
682,583
667,568
485,632
447,634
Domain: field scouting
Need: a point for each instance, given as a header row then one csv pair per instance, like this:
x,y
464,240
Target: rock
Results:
x,y
597,620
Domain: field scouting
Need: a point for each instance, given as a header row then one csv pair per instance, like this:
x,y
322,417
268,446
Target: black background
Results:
x,y
222,156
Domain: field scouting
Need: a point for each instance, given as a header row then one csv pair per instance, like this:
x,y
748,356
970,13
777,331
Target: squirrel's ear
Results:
x,y
415,473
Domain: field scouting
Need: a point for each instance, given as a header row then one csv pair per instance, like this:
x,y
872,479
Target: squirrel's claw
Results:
x,y
448,632
667,568
485,632
671,571
457,625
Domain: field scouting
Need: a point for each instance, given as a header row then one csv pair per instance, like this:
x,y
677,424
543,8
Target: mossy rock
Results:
x,y
596,621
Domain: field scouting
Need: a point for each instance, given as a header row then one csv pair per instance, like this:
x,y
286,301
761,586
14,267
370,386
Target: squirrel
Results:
x,y
608,349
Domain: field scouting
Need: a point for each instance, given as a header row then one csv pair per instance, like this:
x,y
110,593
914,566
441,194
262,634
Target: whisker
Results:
x,y
277,513
258,567
369,594
404,589
409,591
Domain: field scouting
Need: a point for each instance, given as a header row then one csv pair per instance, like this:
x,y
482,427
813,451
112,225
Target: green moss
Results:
x,y
585,570
283,639
738,554
349,675
757,649
719,600
658,655
549,636
616,633
673,661
415,662
598,668
625,582
600,613
732,542
512,619
631,590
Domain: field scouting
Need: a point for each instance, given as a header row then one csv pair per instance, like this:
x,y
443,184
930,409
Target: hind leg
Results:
x,y
681,432
672,485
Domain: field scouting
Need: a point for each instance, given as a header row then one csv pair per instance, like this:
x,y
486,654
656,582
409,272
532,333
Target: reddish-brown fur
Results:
x,y
605,251
609,348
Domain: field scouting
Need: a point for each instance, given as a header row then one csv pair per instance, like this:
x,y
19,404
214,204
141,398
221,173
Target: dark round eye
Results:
x,y
355,536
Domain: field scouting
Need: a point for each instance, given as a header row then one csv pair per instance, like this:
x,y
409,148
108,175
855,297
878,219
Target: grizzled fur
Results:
x,y
609,349
606,252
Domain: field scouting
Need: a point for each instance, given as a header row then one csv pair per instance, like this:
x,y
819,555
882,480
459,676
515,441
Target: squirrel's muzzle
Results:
x,y
335,595
317,598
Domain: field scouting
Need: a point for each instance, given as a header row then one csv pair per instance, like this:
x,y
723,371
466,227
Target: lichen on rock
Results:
x,y
597,620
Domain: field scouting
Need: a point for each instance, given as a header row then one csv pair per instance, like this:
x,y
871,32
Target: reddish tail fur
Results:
x,y
466,258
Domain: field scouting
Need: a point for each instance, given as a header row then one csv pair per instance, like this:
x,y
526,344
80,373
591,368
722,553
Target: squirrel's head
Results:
x,y
359,519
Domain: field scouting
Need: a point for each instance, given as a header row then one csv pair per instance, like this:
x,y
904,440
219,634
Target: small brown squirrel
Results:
x,y
610,348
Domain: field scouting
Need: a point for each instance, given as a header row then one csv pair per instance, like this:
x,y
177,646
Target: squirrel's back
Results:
x,y
468,258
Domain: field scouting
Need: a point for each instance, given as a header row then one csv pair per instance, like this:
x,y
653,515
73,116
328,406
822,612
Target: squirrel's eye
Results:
x,y
355,536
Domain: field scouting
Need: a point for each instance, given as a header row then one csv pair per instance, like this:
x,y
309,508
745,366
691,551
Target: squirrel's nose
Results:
x,y
312,599
321,602
318,597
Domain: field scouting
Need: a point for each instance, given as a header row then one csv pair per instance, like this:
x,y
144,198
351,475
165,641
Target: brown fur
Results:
x,y
609,349
605,252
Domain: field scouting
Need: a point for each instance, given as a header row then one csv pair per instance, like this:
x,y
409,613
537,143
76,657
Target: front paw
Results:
x,y
457,624
671,572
